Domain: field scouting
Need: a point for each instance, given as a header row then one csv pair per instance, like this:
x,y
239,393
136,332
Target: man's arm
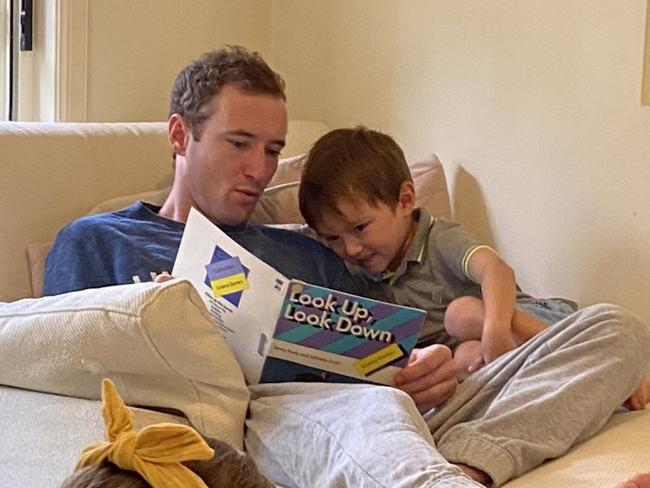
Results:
x,y
74,262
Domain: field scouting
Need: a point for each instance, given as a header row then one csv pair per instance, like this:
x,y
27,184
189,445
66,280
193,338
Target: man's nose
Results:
x,y
258,165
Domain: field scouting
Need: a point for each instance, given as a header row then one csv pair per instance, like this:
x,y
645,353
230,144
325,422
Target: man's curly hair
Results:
x,y
201,80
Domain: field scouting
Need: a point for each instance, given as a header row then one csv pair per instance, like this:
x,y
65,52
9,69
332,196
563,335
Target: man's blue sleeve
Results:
x,y
73,263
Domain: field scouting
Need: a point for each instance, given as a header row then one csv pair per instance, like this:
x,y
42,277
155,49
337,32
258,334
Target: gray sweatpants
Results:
x,y
532,404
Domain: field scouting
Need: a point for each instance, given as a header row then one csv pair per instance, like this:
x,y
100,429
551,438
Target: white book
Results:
x,y
288,330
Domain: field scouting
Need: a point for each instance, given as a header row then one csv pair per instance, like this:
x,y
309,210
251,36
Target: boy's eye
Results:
x,y
331,238
360,227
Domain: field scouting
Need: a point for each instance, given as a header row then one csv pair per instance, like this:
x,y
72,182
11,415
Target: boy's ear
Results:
x,y
406,201
178,133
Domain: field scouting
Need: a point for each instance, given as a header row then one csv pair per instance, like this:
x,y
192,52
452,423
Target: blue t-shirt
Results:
x,y
135,244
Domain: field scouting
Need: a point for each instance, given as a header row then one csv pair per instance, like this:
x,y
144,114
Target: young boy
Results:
x,y
357,193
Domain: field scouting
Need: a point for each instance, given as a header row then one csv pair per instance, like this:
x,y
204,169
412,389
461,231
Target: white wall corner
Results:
x,y
71,60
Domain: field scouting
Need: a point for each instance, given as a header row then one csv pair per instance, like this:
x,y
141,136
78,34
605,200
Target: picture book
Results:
x,y
282,329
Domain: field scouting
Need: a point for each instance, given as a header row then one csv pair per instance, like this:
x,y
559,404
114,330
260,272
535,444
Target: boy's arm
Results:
x,y
499,291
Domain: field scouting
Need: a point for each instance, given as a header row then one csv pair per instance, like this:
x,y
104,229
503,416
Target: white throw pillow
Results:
x,y
155,341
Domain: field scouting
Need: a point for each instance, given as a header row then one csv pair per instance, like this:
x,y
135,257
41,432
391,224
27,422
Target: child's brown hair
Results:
x,y
228,467
351,164
160,455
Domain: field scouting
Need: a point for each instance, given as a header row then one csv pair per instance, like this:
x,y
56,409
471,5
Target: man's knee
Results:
x,y
625,329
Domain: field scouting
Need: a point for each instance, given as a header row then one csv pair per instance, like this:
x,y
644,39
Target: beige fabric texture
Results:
x,y
155,341
53,173
621,450
36,256
67,425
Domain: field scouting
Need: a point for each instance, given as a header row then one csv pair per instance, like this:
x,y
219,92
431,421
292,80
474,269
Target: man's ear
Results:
x,y
178,133
406,201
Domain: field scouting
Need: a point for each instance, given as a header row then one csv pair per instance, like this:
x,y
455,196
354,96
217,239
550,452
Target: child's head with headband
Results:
x,y
165,455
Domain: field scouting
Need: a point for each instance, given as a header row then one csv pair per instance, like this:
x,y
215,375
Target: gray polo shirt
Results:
x,y
432,274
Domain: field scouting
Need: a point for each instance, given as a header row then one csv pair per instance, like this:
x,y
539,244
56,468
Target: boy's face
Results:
x,y
374,237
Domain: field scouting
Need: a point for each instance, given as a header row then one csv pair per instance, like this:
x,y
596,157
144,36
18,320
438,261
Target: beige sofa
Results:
x,y
55,173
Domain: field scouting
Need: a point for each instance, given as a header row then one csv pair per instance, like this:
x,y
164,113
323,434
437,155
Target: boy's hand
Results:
x,y
494,344
429,377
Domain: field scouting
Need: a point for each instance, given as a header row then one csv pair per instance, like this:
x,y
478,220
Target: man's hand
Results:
x,y
162,277
429,377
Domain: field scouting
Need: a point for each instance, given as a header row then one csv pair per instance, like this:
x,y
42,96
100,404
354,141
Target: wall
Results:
x,y
135,49
116,60
534,108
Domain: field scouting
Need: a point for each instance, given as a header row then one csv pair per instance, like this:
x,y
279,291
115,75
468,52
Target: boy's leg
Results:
x,y
525,326
324,434
537,401
464,318
464,321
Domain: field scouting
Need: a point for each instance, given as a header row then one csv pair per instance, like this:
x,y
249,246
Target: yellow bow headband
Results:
x,y
156,452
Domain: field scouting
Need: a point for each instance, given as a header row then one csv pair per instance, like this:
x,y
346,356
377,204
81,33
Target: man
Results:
x,y
227,125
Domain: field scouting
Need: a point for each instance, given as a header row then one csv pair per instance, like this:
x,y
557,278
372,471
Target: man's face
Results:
x,y
236,155
374,237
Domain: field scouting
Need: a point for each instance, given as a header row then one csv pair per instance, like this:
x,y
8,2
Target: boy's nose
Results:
x,y
353,247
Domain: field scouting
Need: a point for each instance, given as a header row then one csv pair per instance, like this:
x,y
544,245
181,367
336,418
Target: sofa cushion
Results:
x,y
36,256
155,341
279,205
45,439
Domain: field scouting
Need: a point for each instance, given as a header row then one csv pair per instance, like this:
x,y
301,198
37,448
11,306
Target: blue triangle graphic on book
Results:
x,y
221,255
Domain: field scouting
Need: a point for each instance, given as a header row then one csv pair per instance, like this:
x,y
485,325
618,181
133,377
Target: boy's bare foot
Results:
x,y
641,480
640,397
484,479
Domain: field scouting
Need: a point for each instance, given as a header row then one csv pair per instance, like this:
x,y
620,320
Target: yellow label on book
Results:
x,y
378,359
229,284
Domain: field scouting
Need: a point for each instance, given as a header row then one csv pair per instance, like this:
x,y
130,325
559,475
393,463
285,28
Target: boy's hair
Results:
x,y
228,467
201,80
351,164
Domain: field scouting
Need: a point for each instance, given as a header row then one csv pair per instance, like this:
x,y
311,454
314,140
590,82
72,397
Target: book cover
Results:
x,y
287,330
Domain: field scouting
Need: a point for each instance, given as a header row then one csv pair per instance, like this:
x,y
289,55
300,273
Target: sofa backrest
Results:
x,y
54,173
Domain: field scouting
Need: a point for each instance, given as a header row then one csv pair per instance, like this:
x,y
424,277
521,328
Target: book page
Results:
x,y
242,293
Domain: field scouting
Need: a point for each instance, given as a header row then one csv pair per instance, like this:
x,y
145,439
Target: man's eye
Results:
x,y
274,152
238,144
